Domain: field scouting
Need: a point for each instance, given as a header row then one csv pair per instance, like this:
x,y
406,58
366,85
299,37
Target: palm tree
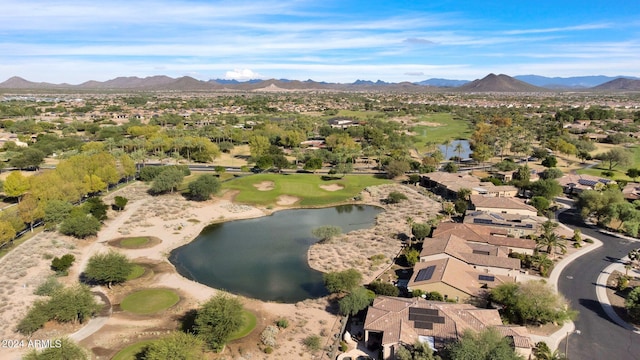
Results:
x,y
543,263
410,222
446,144
549,239
542,352
459,149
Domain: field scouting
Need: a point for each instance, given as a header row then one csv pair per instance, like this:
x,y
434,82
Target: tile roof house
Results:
x,y
631,191
486,235
514,224
577,183
501,205
482,257
448,185
392,322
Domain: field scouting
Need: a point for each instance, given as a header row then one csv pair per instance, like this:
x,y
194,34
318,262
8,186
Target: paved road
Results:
x,y
600,338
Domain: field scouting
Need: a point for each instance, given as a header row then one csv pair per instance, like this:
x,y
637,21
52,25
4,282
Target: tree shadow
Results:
x,y
596,307
187,320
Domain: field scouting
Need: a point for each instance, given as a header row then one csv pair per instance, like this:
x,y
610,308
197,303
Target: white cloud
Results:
x,y
242,74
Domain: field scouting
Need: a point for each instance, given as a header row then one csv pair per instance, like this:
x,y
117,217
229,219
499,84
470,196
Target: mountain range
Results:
x,y
490,83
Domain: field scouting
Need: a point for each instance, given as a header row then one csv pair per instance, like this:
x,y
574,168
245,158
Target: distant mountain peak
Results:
x,y
499,83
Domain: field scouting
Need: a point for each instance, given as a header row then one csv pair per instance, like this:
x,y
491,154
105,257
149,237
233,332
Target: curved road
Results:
x,y
600,337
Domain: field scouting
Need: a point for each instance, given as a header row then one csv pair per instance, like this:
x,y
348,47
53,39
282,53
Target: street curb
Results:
x,y
603,299
554,339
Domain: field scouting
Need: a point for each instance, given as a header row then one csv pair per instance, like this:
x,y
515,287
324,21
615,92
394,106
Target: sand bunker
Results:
x,y
332,187
287,200
264,186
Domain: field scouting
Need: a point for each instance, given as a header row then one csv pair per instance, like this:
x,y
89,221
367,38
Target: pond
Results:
x,y
450,151
266,258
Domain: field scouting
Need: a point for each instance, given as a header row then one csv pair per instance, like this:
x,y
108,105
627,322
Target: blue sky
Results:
x,y
337,41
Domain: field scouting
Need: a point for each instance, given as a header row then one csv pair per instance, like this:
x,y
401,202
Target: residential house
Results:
x,y
392,322
515,225
501,205
489,259
448,185
631,191
342,123
577,183
486,235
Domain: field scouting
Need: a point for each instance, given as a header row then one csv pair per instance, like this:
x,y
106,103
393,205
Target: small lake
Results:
x,y
450,151
266,258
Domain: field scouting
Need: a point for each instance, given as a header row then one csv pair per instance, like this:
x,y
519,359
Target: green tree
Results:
x,y
549,240
540,203
61,349
56,211
598,204
167,181
217,320
258,145
80,225
327,232
342,281
487,344
30,210
625,212
354,302
203,187
632,304
552,173
417,351
383,288
420,230
633,173
463,194
15,185
550,161
28,158
547,188
616,157
412,256
96,207
264,162
481,153
74,304
542,352
396,168
108,268
177,346
62,264
531,303
7,232
35,318
313,164
119,202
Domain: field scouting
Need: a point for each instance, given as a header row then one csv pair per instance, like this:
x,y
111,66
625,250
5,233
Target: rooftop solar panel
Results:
x,y
423,325
425,274
486,278
423,311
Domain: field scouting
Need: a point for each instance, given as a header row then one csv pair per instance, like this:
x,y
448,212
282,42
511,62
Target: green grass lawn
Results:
x,y
130,352
149,301
136,272
134,242
304,186
619,172
449,129
248,324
